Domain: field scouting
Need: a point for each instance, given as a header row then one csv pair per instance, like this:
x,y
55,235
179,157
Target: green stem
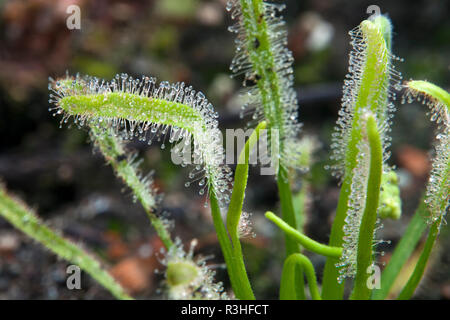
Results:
x,y
113,150
307,146
299,202
305,241
287,212
287,208
402,252
365,241
287,289
236,203
240,182
25,220
417,274
236,270
331,288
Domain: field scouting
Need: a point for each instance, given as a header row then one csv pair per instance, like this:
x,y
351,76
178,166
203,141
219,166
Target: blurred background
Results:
x,y
56,172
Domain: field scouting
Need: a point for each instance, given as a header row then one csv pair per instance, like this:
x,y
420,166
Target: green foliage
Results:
x,y
391,204
364,258
306,242
21,217
366,90
125,108
369,186
437,198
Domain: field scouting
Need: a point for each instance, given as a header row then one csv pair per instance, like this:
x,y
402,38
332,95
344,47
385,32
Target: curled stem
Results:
x,y
305,241
288,290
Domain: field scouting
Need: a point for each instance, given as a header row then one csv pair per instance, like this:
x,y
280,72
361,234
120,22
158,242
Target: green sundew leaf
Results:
x,y
141,108
236,271
437,196
188,277
385,26
181,272
21,217
368,87
370,68
364,257
438,100
130,106
431,91
241,176
266,63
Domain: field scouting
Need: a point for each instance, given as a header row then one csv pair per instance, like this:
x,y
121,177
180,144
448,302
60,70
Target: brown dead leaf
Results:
x,y
414,160
131,274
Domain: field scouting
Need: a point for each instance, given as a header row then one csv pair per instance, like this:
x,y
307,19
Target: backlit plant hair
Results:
x,y
141,108
367,89
125,108
265,61
437,196
438,101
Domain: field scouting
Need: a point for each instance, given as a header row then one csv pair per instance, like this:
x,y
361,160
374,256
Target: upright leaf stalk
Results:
x,y
263,58
366,90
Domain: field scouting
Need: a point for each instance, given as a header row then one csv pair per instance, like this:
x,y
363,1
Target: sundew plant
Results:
x,y
180,118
